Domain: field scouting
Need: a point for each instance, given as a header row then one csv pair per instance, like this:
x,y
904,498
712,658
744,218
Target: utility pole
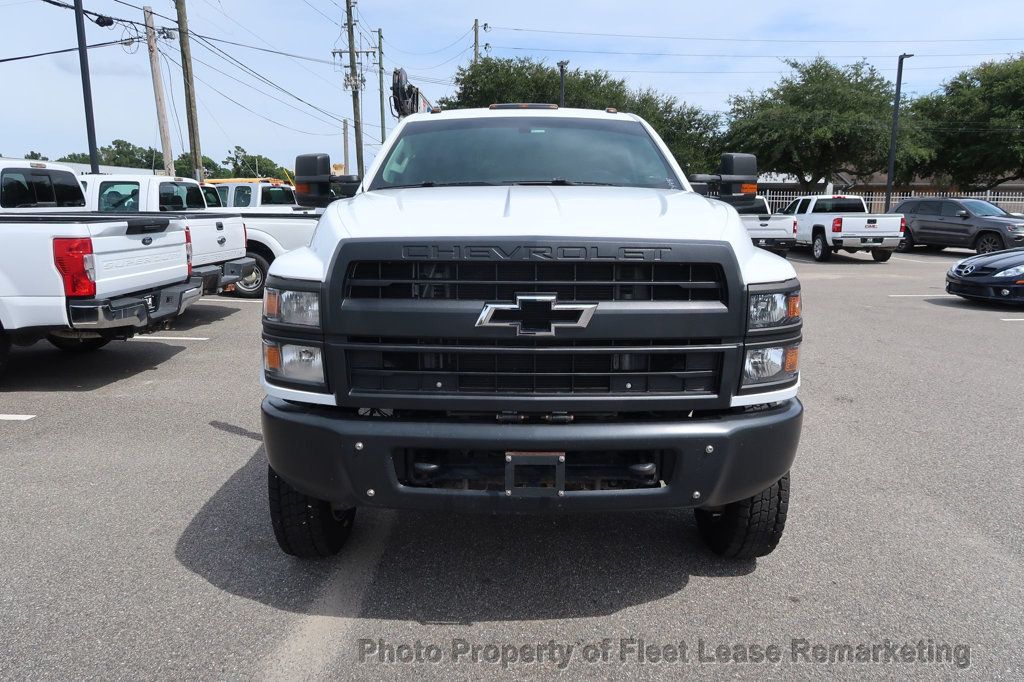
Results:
x,y
476,40
344,131
561,82
895,129
380,75
83,65
158,92
354,81
190,92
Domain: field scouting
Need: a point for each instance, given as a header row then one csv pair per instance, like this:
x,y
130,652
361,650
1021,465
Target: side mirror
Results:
x,y
313,181
736,180
963,214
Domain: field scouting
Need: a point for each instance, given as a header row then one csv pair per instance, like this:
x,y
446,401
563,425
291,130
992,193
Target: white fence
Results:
x,y
1008,201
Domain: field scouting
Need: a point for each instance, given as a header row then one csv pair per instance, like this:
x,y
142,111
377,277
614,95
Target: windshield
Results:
x,y
506,150
277,196
178,196
212,197
982,208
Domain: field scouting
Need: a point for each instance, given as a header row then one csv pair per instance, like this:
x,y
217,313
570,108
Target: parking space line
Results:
x,y
914,260
1011,319
921,296
170,338
16,417
231,300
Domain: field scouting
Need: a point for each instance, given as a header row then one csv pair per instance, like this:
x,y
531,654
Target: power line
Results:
x,y
901,41
315,9
124,41
740,56
174,106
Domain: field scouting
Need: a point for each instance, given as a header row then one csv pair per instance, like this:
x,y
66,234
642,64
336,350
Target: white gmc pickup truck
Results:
x,y
218,241
829,223
776,233
528,309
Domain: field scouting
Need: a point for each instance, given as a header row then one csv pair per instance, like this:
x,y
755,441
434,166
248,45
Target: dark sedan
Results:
x,y
989,277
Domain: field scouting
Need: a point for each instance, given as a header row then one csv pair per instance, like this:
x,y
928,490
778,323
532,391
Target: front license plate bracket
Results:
x,y
534,474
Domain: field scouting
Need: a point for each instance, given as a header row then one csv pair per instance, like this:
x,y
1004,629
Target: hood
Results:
x,y
536,211
1001,260
1002,219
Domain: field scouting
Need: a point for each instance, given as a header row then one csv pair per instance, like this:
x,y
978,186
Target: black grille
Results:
x,y
502,280
530,366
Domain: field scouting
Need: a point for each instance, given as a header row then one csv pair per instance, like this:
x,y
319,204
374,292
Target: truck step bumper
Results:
x,y
332,455
138,311
216,277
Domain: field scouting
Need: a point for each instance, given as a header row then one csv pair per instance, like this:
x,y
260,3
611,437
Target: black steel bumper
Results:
x,y
315,450
986,288
216,277
138,311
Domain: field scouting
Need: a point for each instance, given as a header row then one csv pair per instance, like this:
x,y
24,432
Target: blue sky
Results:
x,y
716,49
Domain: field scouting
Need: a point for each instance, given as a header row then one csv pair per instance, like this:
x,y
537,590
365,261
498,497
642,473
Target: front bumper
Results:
x,y
315,450
986,288
216,277
861,243
138,311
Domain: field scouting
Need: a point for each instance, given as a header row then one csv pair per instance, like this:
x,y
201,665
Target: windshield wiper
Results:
x,y
560,182
431,183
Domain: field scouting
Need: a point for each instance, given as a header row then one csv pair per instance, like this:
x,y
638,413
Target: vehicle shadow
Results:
x,y
948,254
201,315
41,367
964,304
803,255
442,567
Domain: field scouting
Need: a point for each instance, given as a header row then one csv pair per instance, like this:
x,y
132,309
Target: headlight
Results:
x,y
300,308
293,362
771,364
774,309
1012,272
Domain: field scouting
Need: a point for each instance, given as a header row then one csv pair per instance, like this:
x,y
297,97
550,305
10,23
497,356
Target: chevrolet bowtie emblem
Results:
x,y
536,315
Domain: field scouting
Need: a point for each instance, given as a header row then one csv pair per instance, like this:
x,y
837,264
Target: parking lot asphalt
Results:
x,y
136,540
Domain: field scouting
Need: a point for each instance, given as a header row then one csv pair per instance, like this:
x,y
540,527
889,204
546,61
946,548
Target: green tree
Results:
x,y
128,155
242,164
75,157
35,156
694,136
212,169
823,119
977,123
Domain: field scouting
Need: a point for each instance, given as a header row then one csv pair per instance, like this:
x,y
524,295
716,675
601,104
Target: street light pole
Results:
x,y
895,130
83,63
561,81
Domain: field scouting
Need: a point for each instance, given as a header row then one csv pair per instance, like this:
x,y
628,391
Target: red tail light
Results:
x,y
74,261
837,225
794,227
903,225
188,249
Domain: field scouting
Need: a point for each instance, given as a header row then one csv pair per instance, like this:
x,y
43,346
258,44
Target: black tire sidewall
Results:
x,y
264,267
825,249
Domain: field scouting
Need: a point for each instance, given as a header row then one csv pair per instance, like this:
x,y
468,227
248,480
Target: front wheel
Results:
x,y
820,248
988,242
77,345
749,528
304,526
5,348
881,255
252,286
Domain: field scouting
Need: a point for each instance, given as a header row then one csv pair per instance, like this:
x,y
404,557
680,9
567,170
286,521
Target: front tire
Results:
x,y
988,243
5,349
77,345
252,286
304,526
881,255
820,248
749,528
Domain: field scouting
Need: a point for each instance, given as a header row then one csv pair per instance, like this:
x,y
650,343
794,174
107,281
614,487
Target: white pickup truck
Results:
x,y
832,222
82,280
261,195
218,241
543,322
776,233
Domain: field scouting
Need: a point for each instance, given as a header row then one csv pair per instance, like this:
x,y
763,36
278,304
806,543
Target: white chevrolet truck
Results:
x,y
528,309
218,241
829,223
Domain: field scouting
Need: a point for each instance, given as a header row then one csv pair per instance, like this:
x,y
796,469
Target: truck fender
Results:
x,y
262,238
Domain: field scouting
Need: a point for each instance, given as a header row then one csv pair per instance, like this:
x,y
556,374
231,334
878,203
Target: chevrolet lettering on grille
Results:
x,y
536,315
